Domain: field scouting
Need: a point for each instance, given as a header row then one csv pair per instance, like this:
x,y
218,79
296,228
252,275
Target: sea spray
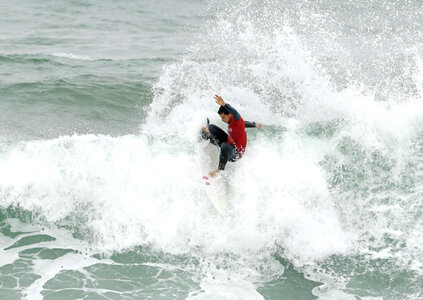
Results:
x,y
328,190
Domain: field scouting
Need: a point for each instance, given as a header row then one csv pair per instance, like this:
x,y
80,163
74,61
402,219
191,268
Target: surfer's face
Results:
x,y
226,118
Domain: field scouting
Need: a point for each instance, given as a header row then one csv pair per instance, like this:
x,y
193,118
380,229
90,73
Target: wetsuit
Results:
x,y
232,145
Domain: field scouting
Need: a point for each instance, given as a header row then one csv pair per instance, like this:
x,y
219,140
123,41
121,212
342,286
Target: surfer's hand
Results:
x,y
219,100
259,125
206,130
214,173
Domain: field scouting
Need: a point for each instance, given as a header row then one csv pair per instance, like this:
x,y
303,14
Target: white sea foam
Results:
x,y
73,56
281,189
146,189
45,268
220,287
154,195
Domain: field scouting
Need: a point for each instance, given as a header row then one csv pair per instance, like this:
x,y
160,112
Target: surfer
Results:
x,y
232,144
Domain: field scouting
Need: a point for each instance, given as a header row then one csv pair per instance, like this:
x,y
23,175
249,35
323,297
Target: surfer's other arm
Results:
x,y
234,112
227,109
249,124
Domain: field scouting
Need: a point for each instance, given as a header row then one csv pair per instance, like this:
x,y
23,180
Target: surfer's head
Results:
x,y
224,114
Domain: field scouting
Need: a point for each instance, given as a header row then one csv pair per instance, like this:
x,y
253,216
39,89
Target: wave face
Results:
x,y
326,202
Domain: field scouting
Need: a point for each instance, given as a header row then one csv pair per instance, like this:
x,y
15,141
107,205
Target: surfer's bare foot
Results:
x,y
214,173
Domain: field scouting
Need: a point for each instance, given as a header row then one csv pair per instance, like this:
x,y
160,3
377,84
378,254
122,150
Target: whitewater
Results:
x,y
101,191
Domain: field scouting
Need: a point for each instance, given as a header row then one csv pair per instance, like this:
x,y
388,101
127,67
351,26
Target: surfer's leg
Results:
x,y
227,153
217,135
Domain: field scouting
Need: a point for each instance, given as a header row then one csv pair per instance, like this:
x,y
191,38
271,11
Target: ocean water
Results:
x,y
101,195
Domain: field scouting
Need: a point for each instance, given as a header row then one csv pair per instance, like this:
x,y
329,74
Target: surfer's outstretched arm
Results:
x,y
249,124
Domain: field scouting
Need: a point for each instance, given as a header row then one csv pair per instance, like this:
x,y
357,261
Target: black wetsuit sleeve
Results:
x,y
232,111
249,124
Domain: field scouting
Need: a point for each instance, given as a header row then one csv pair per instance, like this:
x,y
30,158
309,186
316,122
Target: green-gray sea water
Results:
x,y
101,191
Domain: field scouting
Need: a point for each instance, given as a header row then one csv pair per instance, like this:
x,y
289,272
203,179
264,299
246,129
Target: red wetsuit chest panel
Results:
x,y
237,136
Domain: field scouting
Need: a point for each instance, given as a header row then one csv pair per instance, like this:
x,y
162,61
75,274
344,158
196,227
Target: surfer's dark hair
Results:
x,y
223,110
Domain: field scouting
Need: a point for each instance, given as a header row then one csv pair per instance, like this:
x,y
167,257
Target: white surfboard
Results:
x,y
215,187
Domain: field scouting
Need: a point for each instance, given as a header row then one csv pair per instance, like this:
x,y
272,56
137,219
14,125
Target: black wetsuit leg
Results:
x,y
217,135
227,153
219,138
